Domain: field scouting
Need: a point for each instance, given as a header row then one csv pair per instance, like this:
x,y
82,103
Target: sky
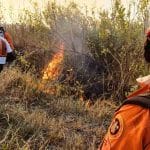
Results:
x,y
11,8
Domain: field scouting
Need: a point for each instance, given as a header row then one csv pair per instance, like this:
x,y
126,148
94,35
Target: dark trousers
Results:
x,y
1,67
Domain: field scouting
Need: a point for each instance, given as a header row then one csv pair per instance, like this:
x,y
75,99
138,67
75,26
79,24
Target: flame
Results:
x,y
52,72
54,69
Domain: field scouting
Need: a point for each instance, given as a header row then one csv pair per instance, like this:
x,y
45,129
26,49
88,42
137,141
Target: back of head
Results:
x,y
147,46
2,31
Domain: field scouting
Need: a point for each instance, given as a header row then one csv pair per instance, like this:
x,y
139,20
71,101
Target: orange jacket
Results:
x,y
2,48
129,130
9,39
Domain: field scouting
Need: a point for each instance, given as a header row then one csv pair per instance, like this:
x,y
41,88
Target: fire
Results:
x,y
53,69
52,72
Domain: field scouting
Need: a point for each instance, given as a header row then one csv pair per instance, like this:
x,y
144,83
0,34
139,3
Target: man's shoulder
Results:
x,y
135,107
140,100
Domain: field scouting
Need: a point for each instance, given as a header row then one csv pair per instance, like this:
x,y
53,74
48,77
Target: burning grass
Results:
x,y
54,68
42,113
32,119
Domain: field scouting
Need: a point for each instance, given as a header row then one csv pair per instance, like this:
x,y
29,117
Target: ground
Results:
x,y
31,119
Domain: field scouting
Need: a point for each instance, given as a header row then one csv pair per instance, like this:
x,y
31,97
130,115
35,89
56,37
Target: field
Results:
x,y
72,71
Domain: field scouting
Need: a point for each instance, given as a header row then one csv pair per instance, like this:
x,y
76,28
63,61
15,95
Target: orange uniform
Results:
x,y
129,130
3,51
9,39
130,127
6,48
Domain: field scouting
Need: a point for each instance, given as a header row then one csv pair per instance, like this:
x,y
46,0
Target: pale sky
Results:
x,y
11,8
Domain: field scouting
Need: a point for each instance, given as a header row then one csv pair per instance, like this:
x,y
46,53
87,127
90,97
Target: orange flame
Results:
x,y
53,69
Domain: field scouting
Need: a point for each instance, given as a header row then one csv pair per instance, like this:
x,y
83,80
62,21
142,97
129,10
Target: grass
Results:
x,y
31,116
32,119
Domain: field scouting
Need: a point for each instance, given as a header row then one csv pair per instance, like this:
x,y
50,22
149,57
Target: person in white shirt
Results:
x,y
5,50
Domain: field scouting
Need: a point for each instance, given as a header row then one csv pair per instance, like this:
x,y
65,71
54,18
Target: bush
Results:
x,y
104,51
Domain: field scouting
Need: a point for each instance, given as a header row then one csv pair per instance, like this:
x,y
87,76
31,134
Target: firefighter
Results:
x,y
130,126
147,46
7,36
7,53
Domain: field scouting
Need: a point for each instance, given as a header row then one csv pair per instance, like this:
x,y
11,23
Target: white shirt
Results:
x,y
8,48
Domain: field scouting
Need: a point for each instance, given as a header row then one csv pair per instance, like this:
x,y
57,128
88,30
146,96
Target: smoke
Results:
x,y
72,33
73,30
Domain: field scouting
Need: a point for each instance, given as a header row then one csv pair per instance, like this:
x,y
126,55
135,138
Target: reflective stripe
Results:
x,y
2,60
2,48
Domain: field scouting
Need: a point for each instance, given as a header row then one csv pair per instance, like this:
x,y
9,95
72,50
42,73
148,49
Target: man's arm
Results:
x,y
8,48
9,39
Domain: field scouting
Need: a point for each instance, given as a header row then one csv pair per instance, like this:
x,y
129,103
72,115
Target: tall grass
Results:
x,y
103,56
31,119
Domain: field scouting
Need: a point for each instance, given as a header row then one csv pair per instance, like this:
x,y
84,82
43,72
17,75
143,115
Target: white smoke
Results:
x,y
72,32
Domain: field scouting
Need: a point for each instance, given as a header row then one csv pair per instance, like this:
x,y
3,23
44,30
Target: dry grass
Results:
x,y
31,119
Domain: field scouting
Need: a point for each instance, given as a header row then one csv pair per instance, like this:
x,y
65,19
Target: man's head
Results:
x,y
2,28
2,31
147,46
148,34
